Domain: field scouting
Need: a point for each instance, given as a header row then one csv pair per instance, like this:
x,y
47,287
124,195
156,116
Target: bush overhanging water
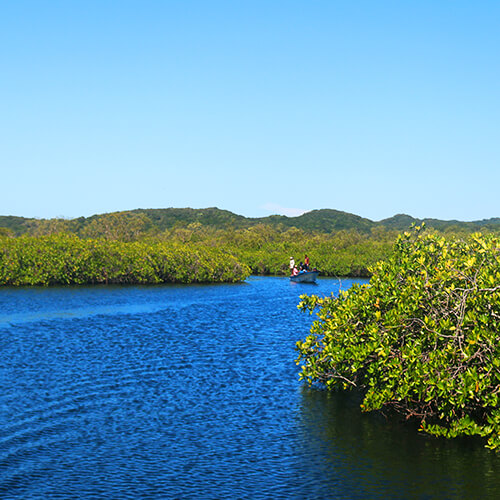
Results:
x,y
422,338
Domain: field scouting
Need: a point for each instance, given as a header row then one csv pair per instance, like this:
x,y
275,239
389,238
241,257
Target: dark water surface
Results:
x,y
192,392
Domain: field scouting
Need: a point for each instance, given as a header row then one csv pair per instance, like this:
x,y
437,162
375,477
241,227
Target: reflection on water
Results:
x,y
374,457
192,392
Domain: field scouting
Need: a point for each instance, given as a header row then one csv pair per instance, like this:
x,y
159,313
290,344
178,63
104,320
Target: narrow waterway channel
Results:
x,y
193,392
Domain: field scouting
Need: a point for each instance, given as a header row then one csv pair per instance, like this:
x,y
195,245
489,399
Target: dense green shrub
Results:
x,y
267,250
67,259
422,338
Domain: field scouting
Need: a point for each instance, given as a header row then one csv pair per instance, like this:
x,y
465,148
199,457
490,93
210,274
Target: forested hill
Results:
x,y
325,220
150,221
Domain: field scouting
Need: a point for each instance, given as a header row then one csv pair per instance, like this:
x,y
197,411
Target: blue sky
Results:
x,y
258,107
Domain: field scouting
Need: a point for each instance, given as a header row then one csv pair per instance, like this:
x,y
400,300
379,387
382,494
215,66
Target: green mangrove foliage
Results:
x,y
67,259
422,338
105,251
267,250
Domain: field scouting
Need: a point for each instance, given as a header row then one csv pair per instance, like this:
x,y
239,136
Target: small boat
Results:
x,y
305,277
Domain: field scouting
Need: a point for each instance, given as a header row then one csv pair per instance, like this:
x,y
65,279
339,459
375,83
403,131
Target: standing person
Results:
x,y
306,263
292,264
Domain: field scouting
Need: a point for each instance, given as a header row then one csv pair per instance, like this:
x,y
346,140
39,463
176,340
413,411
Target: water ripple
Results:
x,y
192,392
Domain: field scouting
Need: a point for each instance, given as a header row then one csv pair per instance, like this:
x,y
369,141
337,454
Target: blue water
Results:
x,y
192,392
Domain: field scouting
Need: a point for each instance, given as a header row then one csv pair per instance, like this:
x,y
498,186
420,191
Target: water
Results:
x,y
192,392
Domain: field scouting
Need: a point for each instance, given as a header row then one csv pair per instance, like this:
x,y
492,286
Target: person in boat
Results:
x,y
306,263
295,271
292,264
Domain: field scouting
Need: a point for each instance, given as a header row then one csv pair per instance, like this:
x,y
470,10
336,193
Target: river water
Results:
x,y
193,392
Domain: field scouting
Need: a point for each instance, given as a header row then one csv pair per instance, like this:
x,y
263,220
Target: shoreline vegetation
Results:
x,y
185,255
198,246
132,247
63,259
420,340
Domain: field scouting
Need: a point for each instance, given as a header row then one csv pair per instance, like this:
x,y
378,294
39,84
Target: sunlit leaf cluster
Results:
x,y
422,338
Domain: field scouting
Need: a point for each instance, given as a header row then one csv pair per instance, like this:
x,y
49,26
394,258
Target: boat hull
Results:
x,y
305,277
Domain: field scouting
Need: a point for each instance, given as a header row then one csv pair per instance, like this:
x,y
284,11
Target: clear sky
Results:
x,y
257,107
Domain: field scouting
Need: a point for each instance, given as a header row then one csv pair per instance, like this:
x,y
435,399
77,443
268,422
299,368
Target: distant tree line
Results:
x,y
259,248
155,221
